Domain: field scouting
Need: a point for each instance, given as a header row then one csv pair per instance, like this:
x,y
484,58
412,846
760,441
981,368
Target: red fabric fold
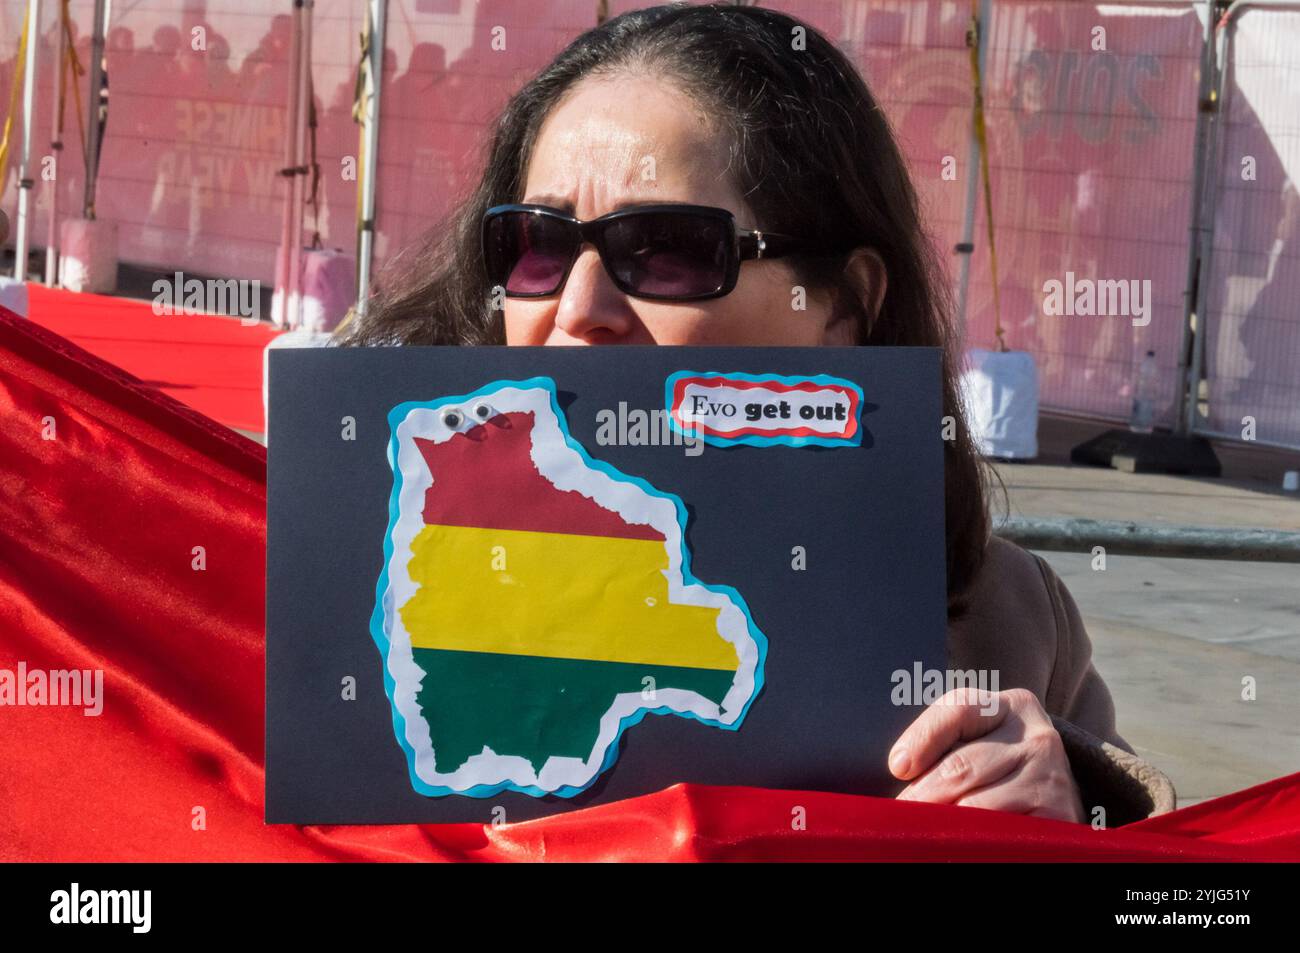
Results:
x,y
98,529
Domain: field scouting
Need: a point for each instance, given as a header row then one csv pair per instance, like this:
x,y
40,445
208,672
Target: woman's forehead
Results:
x,y
620,140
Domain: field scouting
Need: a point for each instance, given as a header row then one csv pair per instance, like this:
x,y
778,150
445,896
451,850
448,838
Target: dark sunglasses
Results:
x,y
660,252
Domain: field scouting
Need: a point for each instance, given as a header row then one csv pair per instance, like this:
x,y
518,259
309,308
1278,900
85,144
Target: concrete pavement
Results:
x,y
1174,638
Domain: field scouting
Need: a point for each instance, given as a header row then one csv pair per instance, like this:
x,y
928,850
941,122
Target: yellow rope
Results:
x,y
981,133
19,63
73,63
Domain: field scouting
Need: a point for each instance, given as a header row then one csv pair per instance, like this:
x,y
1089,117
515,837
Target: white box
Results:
x,y
1000,391
13,296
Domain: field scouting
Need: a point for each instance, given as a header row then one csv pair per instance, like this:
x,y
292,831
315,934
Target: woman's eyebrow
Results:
x,y
561,204
553,201
651,200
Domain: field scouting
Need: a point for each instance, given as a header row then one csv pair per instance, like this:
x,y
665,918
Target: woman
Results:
x,y
752,112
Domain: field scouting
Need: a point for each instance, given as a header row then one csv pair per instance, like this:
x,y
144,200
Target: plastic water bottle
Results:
x,y
1142,419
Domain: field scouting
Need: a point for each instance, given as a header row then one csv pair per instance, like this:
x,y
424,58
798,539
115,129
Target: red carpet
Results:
x,y
105,488
211,363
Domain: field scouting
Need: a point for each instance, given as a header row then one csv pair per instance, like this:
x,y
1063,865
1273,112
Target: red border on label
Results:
x,y
679,393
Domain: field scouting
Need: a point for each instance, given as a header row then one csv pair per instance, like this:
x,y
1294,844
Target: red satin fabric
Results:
x,y
97,531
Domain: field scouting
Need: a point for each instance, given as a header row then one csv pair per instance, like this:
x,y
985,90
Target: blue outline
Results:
x,y
756,440
395,417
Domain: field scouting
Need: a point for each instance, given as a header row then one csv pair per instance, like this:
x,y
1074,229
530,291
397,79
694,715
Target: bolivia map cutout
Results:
x,y
535,602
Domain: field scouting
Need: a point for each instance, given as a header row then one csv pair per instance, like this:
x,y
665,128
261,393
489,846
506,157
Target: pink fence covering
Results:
x,y
1091,156
198,94
1091,117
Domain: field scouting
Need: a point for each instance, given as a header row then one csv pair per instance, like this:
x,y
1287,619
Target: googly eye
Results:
x,y
481,411
452,418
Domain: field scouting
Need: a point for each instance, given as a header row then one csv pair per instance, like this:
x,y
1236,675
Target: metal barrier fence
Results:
x,y
1095,113
1251,239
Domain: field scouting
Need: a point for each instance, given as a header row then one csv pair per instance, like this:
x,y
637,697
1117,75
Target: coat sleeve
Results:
x,y
1104,765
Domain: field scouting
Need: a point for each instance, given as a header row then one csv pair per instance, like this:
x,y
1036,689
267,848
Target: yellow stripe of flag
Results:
x,y
555,595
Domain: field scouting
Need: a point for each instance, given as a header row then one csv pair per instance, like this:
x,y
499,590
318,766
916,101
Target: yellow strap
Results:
x,y
981,133
73,63
13,102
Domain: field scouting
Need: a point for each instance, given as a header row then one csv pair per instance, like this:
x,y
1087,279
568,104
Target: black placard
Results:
x,y
869,601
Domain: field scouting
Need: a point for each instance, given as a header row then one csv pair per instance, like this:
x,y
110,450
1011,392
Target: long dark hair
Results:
x,y
812,153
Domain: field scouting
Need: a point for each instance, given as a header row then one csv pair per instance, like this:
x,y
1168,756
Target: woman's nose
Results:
x,y
591,307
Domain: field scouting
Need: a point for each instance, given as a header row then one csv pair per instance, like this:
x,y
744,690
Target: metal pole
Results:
x,y
287,239
1206,243
25,182
1124,538
366,240
92,107
56,150
294,311
967,247
1205,104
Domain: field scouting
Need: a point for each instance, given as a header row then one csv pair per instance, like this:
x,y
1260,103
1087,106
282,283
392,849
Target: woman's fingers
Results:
x,y
962,714
996,750
1026,791
966,768
1013,792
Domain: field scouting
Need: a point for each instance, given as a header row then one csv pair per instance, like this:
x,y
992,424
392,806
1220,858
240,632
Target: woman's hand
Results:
x,y
995,750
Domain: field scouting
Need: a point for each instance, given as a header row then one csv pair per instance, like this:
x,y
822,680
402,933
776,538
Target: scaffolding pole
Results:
x,y
25,181
56,152
293,313
280,303
1188,375
94,102
378,12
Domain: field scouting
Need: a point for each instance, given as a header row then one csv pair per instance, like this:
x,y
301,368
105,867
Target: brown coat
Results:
x,y
1022,622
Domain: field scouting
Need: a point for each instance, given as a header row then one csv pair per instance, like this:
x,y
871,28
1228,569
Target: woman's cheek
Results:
x,y
524,325
771,308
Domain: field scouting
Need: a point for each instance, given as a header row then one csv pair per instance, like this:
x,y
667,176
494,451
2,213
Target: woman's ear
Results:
x,y
866,272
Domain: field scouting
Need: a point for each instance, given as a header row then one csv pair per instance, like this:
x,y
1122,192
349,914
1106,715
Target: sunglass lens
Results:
x,y
668,255
527,253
